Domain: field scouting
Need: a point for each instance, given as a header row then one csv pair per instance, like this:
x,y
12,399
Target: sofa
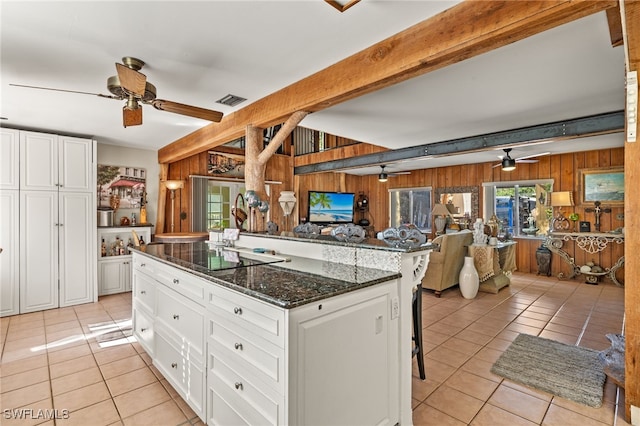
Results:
x,y
446,260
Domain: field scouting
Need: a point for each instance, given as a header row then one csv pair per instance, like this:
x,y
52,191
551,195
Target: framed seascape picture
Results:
x,y
602,184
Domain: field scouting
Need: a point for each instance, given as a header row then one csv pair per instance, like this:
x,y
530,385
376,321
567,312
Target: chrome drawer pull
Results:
x,y
176,317
237,311
174,365
176,281
238,346
238,385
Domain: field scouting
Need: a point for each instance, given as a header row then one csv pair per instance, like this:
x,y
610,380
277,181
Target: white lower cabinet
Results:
x,y
114,275
344,360
114,270
239,361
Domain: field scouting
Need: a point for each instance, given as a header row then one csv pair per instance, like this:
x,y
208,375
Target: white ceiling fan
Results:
x,y
383,175
508,164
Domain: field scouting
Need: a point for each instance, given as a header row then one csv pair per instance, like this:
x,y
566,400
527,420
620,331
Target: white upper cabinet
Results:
x,y
52,162
9,159
74,161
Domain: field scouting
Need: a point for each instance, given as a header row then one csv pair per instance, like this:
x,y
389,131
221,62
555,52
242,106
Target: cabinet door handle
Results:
x,y
143,291
238,385
176,281
174,365
237,310
142,330
176,317
142,265
238,346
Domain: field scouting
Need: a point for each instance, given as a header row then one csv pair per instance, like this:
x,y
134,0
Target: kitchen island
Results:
x,y
249,338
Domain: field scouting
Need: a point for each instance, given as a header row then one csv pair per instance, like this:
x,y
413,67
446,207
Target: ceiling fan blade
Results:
x,y
533,155
131,117
527,161
191,111
398,173
132,81
65,90
496,165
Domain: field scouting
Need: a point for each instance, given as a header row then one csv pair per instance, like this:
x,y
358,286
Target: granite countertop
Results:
x,y
286,284
369,243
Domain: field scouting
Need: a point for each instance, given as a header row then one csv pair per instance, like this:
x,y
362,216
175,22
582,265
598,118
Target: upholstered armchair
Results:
x,y
446,260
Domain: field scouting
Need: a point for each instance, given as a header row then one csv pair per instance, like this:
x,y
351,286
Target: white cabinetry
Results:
x,y
265,365
9,252
272,366
52,178
9,159
168,321
247,371
114,270
9,221
39,228
52,162
341,347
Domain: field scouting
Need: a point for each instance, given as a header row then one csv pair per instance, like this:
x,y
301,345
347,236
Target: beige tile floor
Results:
x,y
82,359
463,338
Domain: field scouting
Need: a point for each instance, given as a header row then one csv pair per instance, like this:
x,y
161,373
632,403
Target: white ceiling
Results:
x,y
198,52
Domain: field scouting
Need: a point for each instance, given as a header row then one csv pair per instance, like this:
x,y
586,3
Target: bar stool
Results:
x,y
417,329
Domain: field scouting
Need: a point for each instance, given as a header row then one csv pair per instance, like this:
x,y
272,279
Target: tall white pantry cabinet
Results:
x,y
49,259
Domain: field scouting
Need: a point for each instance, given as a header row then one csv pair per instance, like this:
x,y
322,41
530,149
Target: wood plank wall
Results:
x,y
279,169
563,169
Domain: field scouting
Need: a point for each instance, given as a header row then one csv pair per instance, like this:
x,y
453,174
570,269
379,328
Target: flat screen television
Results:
x,y
331,207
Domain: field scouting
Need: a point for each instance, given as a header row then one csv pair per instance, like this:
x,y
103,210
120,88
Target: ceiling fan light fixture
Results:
x,y
508,164
382,177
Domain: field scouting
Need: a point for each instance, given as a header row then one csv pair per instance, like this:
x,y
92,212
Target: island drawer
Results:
x,y
185,375
184,318
247,352
143,329
144,291
234,399
184,283
258,317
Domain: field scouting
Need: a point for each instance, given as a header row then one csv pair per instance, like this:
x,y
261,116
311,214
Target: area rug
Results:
x,y
568,371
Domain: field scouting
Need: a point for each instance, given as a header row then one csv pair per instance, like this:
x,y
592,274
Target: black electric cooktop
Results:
x,y
203,256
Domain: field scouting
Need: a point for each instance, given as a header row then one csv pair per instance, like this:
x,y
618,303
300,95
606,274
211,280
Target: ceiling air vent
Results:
x,y
231,100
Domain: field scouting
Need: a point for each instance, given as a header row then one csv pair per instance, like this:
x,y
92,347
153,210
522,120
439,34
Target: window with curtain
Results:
x,y
411,206
520,206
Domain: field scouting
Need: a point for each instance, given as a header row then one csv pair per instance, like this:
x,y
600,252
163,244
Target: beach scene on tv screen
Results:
x,y
327,207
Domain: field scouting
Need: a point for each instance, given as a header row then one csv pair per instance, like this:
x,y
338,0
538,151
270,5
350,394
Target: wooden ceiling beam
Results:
x,y
463,31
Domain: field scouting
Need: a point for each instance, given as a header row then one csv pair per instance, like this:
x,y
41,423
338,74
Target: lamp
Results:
x,y
287,201
172,185
440,212
508,163
561,199
382,177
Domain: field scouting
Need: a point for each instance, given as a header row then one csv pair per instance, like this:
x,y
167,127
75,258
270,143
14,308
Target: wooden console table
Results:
x,y
589,242
494,264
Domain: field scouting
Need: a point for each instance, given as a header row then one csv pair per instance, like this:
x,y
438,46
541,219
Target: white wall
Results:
x,y
114,155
